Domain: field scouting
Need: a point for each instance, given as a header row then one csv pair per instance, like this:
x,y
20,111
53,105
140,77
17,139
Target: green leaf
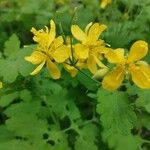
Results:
x,y
25,95
23,108
54,101
5,100
86,81
143,120
12,46
132,89
82,18
81,144
23,120
24,67
53,94
73,111
5,135
26,125
43,85
122,142
119,34
59,139
15,64
117,116
16,145
141,97
8,69
143,100
87,138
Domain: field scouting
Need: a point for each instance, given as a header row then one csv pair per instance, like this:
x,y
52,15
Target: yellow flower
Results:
x,y
104,3
50,50
139,70
1,85
91,48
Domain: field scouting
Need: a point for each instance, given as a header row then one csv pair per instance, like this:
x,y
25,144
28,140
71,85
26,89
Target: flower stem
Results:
x,y
61,30
85,74
82,72
145,141
72,60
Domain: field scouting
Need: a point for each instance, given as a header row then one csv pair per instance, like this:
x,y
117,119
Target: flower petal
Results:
x,y
36,71
95,31
73,71
34,31
113,79
137,51
141,76
58,42
99,63
81,51
53,69
87,27
61,54
36,57
52,32
78,33
115,56
92,64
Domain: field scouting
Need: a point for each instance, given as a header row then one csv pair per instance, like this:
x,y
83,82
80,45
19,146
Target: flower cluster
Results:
x,y
50,50
88,53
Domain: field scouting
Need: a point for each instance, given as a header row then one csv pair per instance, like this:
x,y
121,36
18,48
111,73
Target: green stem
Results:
x,y
83,72
74,13
55,120
86,74
61,30
72,60
145,141
80,125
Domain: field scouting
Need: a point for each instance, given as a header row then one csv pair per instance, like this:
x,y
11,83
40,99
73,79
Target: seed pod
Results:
x,y
100,73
